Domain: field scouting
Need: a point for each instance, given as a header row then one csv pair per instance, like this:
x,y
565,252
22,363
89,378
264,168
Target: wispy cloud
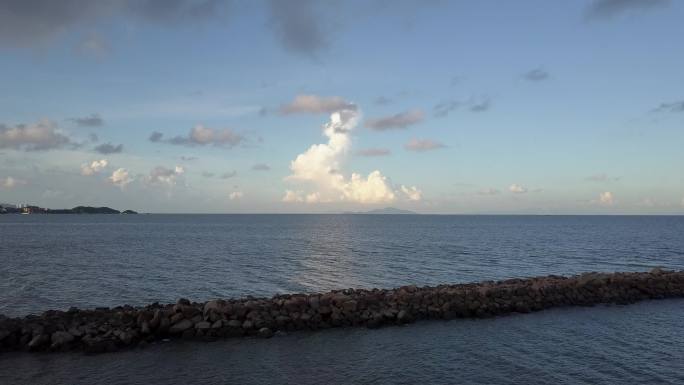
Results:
x,y
261,167
93,120
422,145
202,136
397,121
314,104
602,178
488,191
481,105
228,175
670,107
444,108
536,75
605,9
373,152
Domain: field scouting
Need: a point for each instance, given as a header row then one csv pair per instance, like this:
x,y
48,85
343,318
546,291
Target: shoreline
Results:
x,y
125,327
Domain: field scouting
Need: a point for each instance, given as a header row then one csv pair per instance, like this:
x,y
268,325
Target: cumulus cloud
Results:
x,y
517,189
94,167
606,198
108,148
165,176
202,136
319,170
397,121
235,195
412,193
261,167
40,136
93,120
298,27
314,104
11,182
605,9
422,145
670,107
536,75
120,178
373,152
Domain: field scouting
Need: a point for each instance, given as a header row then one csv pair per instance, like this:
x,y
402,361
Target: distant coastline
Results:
x,y
30,209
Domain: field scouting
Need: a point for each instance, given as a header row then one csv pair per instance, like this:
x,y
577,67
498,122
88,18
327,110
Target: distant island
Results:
x,y
30,209
385,211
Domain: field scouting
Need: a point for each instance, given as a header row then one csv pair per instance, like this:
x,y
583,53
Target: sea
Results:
x,y
86,261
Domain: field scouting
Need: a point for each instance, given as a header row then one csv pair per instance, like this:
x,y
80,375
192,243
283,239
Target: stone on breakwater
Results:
x,y
105,329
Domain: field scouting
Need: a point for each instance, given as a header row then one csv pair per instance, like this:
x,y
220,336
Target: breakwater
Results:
x,y
110,329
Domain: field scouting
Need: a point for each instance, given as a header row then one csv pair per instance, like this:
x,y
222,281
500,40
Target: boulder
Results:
x,y
61,338
38,341
180,326
265,333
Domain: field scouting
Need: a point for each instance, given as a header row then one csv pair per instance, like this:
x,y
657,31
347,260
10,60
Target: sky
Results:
x,y
448,107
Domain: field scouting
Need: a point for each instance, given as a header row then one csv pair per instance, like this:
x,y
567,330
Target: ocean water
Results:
x,y
54,262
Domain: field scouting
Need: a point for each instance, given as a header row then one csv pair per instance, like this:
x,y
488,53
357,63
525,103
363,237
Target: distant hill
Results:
x,y
386,211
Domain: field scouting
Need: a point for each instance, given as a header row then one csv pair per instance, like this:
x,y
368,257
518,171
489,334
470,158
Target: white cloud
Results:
x,y
606,198
517,189
94,167
412,193
235,195
314,104
120,178
319,167
293,196
165,176
11,182
42,135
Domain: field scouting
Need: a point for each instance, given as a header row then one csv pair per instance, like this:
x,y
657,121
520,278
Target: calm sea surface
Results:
x,y
58,261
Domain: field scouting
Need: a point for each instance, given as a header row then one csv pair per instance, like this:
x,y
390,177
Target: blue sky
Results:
x,y
467,107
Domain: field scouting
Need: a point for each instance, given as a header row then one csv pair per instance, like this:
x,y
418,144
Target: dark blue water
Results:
x,y
60,261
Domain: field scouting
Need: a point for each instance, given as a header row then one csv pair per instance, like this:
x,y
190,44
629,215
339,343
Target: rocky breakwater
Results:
x,y
110,329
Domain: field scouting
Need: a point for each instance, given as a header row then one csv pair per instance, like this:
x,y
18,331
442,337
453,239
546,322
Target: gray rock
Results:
x,y
60,338
38,341
180,327
265,333
203,325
